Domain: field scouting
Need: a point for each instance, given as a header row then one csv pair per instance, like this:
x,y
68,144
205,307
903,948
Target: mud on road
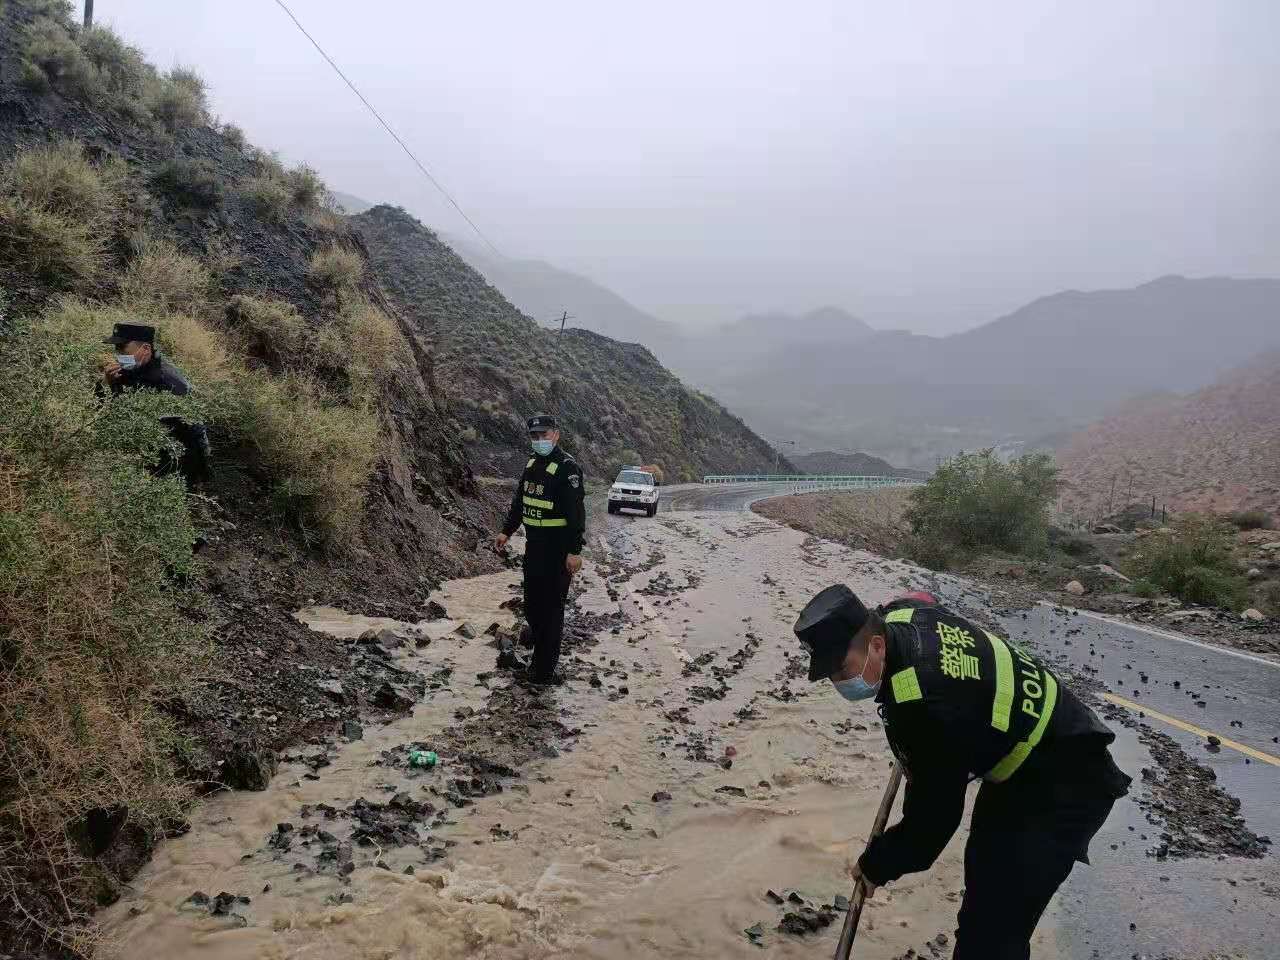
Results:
x,y
684,793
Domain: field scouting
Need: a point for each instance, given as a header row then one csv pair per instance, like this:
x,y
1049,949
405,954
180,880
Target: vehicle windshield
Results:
x,y
635,476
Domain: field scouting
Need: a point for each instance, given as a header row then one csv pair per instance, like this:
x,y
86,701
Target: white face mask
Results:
x,y
542,448
126,362
857,688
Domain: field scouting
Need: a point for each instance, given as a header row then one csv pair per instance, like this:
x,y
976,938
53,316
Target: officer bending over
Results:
x,y
960,703
549,502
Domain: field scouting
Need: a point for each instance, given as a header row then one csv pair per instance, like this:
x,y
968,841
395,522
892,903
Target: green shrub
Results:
x,y
191,183
33,78
1194,562
268,197
1143,587
159,280
335,268
122,75
95,555
47,246
1252,520
975,502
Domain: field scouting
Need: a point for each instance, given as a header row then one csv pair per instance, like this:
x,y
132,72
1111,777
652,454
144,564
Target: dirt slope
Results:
x,y
1217,449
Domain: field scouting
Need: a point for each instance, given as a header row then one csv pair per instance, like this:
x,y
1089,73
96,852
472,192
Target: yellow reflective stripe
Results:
x,y
544,504
552,467
1002,705
906,686
529,464
555,522
1013,760
902,615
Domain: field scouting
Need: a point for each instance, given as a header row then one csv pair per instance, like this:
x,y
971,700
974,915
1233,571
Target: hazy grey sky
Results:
x,y
924,164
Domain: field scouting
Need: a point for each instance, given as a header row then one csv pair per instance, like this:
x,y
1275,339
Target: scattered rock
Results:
x,y
1253,614
466,631
390,697
1107,571
434,611
660,796
1075,588
352,730
248,767
333,688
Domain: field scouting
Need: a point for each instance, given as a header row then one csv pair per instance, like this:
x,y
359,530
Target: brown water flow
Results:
x,y
627,834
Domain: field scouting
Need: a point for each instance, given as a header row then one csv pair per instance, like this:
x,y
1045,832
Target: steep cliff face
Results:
x,y
498,366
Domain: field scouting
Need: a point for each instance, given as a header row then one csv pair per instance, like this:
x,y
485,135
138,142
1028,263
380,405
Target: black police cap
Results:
x,y
123,333
825,627
543,422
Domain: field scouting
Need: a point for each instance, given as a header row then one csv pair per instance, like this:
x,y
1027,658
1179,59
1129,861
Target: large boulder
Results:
x,y
1075,588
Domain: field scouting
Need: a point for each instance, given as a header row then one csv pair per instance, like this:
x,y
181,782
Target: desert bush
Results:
x,y
191,183
268,196
179,100
1252,520
335,268
55,211
319,453
1143,587
1270,598
122,75
95,555
159,280
53,50
305,186
272,329
1194,562
60,179
976,502
235,135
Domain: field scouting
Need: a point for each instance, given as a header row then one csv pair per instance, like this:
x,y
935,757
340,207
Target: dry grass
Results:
x,y
305,186
179,100
272,329
160,280
336,268
321,453
55,211
268,196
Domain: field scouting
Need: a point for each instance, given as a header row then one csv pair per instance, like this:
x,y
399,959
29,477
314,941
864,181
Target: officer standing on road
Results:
x,y
549,502
962,703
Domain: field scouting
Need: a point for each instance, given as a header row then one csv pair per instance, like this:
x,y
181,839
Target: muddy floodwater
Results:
x,y
643,809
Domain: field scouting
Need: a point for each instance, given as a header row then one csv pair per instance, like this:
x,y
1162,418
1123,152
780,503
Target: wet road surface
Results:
x,y
690,769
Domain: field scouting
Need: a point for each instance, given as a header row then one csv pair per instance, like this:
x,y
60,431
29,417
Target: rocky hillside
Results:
x,y
1217,449
498,366
852,465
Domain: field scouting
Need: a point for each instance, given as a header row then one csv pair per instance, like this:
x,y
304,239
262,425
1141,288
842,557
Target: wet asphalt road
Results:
x,y
1128,904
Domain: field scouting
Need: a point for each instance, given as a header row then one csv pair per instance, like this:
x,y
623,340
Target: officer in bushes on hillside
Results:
x,y
138,366
549,502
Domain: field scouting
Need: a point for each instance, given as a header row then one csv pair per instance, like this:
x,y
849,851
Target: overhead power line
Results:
x,y
386,126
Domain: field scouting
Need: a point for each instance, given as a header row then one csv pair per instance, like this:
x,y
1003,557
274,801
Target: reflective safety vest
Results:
x,y
981,673
537,510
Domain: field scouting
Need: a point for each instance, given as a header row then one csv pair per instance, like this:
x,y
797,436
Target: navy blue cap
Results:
x,y
543,422
826,626
124,333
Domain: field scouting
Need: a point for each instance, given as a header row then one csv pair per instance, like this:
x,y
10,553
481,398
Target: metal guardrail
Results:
x,y
813,481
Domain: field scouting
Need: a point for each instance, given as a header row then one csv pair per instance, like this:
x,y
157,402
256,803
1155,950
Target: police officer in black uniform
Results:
x,y
549,502
959,703
137,365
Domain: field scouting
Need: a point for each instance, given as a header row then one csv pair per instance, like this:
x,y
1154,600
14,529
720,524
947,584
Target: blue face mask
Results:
x,y
543,448
126,362
856,688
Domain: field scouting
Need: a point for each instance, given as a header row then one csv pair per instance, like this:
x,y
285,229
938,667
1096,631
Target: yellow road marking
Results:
x,y
1192,728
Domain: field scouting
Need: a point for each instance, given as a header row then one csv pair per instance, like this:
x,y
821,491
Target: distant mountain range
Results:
x,y
852,465
827,379
1216,449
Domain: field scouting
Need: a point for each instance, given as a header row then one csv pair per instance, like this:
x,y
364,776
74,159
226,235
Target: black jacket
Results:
x,y
940,726
549,501
162,376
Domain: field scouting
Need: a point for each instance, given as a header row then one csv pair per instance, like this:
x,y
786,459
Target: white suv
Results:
x,y
634,489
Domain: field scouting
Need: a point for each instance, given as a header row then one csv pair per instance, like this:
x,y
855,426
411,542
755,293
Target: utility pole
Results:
x,y
1111,500
563,317
88,14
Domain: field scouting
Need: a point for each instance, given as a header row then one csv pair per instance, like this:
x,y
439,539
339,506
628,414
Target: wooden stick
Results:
x,y
859,896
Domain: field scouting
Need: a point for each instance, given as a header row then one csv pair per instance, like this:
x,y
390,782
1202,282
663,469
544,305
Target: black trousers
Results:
x,y
546,586
1024,840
